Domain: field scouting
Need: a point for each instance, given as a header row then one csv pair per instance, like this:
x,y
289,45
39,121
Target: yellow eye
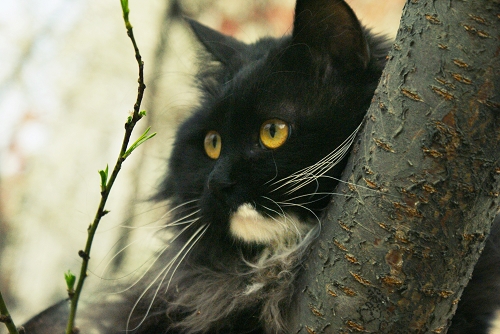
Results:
x,y
213,144
274,133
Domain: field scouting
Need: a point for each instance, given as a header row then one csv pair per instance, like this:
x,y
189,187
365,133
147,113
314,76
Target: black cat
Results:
x,y
251,171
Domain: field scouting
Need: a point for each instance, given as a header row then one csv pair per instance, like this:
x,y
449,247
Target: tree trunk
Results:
x,y
397,250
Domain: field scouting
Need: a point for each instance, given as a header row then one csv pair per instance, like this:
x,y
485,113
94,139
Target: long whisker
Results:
x,y
121,225
205,228
114,256
274,202
182,221
322,194
311,173
300,206
160,253
281,214
183,230
164,272
174,209
358,186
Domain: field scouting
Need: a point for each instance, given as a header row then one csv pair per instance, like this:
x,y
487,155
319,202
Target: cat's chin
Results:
x,y
248,225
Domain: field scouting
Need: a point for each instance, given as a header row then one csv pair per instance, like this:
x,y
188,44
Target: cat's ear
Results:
x,y
222,47
331,27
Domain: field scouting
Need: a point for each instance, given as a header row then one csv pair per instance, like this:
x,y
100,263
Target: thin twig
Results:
x,y
6,318
107,184
172,12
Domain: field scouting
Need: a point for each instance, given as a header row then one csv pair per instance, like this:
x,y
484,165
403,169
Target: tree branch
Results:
x,y
6,318
397,250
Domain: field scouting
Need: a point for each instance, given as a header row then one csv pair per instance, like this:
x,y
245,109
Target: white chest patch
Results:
x,y
249,225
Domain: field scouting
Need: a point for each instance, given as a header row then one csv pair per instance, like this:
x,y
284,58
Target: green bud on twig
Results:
x,y
104,178
70,279
70,282
126,11
144,137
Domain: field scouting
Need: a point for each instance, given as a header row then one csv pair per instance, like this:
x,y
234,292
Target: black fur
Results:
x,y
481,298
320,81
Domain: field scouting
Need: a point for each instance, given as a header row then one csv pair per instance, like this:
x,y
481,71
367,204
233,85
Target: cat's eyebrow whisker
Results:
x,y
163,274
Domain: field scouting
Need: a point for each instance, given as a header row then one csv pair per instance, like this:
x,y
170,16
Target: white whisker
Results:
x,y
205,228
114,256
164,272
181,221
160,253
322,194
274,202
311,173
183,230
163,216
358,186
300,206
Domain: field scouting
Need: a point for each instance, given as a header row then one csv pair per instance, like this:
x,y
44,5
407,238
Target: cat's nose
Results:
x,y
219,183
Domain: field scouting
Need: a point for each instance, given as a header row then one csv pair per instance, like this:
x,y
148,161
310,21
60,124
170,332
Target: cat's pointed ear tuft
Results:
x,y
222,47
331,27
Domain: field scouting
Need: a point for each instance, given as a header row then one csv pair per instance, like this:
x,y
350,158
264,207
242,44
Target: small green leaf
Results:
x,y
126,12
104,178
144,137
70,280
142,113
125,8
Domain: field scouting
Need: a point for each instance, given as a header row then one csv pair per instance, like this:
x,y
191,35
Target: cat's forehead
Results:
x,y
259,90
253,105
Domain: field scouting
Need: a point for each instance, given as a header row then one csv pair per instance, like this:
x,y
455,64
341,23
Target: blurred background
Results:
x,y
67,83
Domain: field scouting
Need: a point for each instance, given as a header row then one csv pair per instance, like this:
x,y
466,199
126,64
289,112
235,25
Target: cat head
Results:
x,y
257,161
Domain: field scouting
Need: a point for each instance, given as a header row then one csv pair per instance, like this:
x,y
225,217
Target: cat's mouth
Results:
x,y
249,225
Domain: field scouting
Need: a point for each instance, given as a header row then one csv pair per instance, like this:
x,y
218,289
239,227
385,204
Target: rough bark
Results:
x,y
397,250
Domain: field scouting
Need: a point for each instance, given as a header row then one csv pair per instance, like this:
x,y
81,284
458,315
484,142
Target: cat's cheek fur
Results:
x,y
248,225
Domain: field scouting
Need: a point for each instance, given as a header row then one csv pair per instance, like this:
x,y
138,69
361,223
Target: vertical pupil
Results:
x,y
214,140
272,130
